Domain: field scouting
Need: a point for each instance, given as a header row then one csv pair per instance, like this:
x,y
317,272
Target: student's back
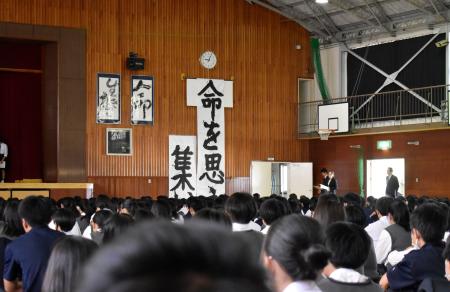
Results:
x,y
30,253
26,257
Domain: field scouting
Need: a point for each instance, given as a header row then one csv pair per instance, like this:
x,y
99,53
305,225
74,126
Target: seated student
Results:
x,y
271,210
349,245
161,256
64,221
26,257
381,209
115,226
65,263
215,216
98,221
161,209
328,210
427,261
128,206
355,214
11,228
439,285
397,235
294,254
241,208
369,210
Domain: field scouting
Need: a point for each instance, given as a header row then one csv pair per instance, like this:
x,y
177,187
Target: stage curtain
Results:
x,y
20,117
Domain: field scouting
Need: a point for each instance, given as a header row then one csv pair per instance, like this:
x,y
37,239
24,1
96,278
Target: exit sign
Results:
x,y
384,144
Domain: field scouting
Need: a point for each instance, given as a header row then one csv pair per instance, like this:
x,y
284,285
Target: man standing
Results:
x,y
325,181
3,155
26,257
391,183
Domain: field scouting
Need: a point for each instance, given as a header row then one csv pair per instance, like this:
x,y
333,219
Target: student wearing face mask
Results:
x,y
427,232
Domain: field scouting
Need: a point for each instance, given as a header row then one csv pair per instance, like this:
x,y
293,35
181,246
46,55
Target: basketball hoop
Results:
x,y
325,133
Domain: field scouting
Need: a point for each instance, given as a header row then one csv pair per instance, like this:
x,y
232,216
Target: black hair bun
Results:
x,y
316,256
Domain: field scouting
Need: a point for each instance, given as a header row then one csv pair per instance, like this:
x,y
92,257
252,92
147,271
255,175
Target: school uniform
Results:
x,y
302,286
417,265
26,257
348,280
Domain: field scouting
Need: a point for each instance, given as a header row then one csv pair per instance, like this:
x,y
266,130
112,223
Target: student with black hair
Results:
x,y
26,257
68,256
427,232
97,224
10,229
214,216
128,206
329,209
304,200
294,254
64,221
161,209
349,245
115,226
355,214
11,224
160,256
241,208
271,210
397,235
369,210
381,209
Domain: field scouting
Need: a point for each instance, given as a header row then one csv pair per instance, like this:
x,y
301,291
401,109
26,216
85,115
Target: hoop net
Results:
x,y
324,133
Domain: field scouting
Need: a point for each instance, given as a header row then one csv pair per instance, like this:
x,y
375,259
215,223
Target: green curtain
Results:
x,y
321,83
361,171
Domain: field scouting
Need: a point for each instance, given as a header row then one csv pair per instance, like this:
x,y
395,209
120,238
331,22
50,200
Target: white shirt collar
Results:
x,y
302,286
348,276
265,230
237,227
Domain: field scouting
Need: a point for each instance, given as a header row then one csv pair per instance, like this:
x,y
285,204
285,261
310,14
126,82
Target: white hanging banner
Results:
x,y
210,96
182,166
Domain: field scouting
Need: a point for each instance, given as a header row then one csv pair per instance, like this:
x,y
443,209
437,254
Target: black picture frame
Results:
x,y
119,141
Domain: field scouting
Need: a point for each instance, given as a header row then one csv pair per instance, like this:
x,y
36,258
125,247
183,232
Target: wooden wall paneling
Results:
x,y
428,162
253,45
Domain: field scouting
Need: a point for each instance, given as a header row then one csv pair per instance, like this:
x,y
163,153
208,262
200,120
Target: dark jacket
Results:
x,y
392,186
416,266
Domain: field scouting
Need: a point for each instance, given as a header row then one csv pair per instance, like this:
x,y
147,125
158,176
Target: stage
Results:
x,y
52,190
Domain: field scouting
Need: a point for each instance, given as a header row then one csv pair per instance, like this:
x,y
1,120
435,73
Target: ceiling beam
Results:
x,y
290,14
318,9
357,11
438,12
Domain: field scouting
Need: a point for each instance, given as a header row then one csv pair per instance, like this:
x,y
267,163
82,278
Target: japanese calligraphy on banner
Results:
x,y
210,96
141,100
182,166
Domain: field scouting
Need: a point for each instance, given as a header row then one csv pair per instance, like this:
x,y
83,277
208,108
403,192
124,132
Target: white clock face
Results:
x,y
208,60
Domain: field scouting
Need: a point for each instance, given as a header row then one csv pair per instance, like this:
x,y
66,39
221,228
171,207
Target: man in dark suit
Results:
x,y
391,183
325,181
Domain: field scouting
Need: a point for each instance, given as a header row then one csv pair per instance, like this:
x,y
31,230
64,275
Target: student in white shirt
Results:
x,y
381,209
3,155
241,207
349,245
397,236
271,210
294,253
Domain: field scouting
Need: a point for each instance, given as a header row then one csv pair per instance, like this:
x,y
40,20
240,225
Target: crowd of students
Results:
x,y
236,243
